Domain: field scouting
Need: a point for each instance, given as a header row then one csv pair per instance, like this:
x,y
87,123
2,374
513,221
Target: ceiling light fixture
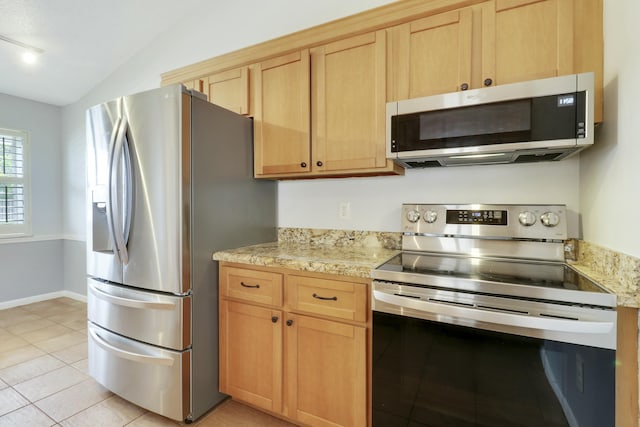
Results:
x,y
30,54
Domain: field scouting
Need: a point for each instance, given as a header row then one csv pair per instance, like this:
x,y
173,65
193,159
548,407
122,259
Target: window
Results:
x,y
15,218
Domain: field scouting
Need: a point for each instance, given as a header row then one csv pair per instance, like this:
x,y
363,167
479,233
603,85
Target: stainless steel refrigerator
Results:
x,y
170,181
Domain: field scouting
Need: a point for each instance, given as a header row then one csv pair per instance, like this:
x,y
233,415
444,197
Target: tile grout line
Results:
x,y
47,353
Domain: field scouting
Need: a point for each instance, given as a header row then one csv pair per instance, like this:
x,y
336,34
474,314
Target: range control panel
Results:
x,y
460,216
542,222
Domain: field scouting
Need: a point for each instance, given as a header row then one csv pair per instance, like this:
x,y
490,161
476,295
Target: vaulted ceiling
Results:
x,y
83,42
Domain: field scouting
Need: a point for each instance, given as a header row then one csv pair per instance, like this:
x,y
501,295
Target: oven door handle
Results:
x,y
496,317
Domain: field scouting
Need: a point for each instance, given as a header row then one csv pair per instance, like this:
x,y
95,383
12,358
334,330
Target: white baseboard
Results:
x,y
42,297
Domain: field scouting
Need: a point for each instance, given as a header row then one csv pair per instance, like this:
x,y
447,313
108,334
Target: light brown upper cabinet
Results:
x,y
431,55
197,84
348,80
229,89
526,40
496,42
282,114
345,98
318,95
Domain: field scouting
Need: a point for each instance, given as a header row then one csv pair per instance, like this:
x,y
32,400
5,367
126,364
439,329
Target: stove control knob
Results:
x,y
550,219
527,218
430,216
413,216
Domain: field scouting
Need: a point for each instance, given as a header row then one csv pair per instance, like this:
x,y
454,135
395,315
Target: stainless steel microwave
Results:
x,y
537,120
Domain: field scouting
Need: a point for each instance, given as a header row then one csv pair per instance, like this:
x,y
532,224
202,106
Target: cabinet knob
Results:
x,y
319,163
303,164
488,82
464,86
289,322
274,319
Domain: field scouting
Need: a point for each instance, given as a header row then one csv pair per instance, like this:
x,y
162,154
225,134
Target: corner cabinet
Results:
x,y
229,89
295,344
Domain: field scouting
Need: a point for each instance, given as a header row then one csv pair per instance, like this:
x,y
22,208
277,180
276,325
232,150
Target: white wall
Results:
x,y
610,171
375,202
32,266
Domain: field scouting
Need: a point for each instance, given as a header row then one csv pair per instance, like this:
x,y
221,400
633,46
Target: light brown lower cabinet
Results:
x,y
251,354
310,368
326,372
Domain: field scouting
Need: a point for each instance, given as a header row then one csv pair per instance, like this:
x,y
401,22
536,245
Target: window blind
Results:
x,y
12,179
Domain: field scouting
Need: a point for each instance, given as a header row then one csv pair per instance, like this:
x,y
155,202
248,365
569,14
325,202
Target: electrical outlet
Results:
x,y
579,373
344,210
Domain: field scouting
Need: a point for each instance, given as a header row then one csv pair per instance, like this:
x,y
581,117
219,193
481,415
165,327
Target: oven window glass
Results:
x,y
433,374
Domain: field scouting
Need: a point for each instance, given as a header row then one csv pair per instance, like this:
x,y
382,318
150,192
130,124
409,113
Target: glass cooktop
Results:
x,y
497,270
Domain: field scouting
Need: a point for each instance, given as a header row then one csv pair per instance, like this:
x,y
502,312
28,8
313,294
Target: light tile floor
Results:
x,y
44,379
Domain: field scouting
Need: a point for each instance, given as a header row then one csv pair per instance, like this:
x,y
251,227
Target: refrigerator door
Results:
x,y
153,318
153,378
102,123
156,223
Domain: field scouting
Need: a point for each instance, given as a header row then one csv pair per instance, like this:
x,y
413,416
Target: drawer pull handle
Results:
x,y
249,286
316,296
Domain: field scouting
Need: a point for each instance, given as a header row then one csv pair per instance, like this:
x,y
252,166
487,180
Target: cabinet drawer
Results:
x,y
252,285
342,300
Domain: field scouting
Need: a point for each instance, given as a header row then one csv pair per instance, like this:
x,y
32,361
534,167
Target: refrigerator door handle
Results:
x,y
136,357
128,188
111,196
114,172
127,302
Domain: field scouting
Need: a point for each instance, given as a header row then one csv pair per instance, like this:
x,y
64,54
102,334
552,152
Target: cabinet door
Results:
x,y
526,40
432,55
251,354
230,89
326,372
197,84
348,103
281,119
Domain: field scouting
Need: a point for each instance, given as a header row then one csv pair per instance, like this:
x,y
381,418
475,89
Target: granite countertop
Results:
x,y
626,296
343,260
356,253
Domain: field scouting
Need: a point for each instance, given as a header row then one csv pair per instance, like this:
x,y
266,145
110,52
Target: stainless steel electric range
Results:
x,y
480,322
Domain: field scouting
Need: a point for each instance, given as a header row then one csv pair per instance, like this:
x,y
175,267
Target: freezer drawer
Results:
x,y
158,319
153,378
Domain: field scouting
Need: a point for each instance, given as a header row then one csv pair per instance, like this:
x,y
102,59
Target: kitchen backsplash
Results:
x,y
342,238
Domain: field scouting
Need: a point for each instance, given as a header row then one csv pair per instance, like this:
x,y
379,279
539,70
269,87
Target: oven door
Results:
x,y
453,371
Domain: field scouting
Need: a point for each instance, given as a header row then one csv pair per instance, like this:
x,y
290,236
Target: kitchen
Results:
x,y
592,186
